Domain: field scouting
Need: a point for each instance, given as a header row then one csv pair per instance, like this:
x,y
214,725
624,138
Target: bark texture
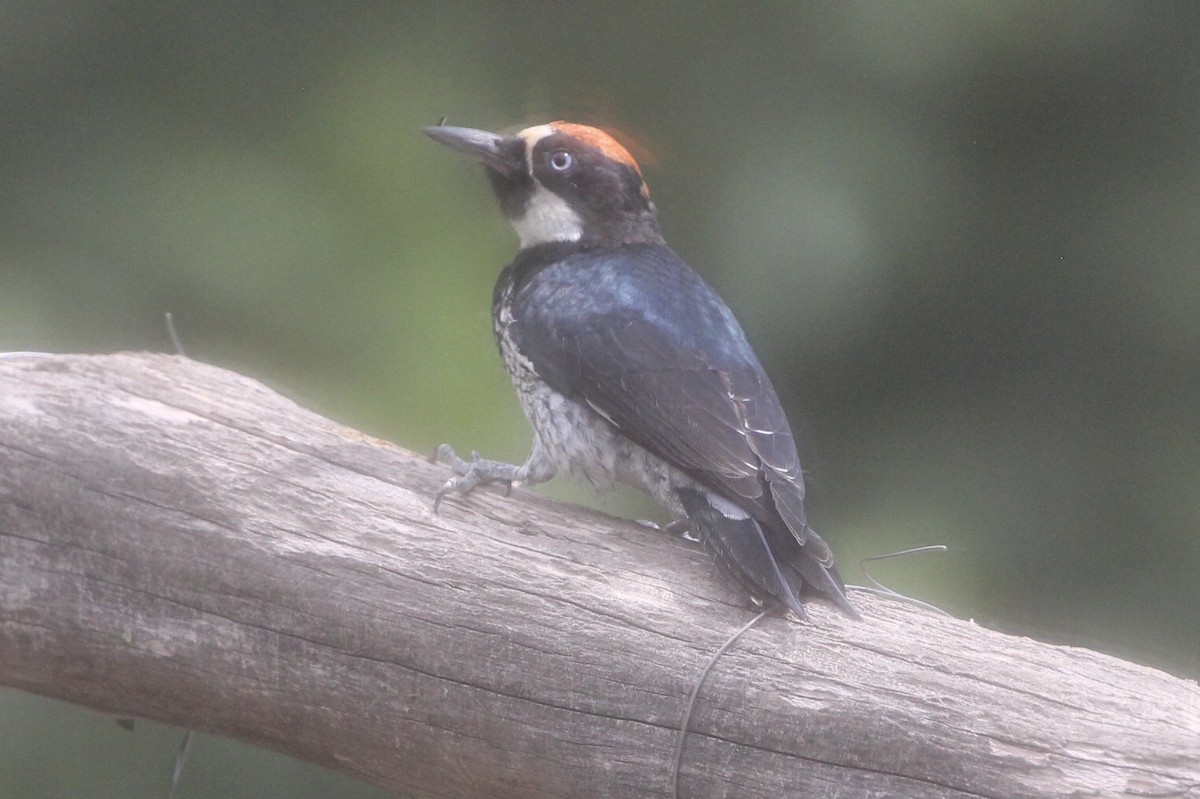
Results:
x,y
179,543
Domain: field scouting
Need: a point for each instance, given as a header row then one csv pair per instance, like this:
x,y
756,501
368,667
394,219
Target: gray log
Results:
x,y
179,543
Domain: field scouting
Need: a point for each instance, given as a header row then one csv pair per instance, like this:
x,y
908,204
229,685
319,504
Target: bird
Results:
x,y
631,369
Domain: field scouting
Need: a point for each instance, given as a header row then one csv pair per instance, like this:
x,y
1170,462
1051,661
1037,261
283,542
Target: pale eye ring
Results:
x,y
561,161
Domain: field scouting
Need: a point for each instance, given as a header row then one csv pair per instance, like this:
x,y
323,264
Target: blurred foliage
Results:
x,y
964,238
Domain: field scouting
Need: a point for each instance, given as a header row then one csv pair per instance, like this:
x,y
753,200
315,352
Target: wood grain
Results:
x,y
179,543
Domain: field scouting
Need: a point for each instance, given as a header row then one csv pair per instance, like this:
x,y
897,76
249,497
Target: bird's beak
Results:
x,y
504,154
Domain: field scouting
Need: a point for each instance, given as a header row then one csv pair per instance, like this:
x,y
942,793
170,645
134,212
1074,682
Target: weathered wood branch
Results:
x,y
179,543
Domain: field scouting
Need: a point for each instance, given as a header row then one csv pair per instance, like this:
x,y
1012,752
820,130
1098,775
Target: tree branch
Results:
x,y
179,543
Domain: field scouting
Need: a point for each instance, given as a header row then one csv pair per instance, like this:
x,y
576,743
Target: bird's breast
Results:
x,y
578,439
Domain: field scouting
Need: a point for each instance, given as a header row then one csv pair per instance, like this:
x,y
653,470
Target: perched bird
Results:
x,y
631,369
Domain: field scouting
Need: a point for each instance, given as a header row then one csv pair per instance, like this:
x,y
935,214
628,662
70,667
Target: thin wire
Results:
x,y
178,342
180,760
862,564
181,756
687,712
880,589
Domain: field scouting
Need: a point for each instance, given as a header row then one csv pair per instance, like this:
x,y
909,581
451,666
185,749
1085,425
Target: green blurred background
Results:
x,y
964,238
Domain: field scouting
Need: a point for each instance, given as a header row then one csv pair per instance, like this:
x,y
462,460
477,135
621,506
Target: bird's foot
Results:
x,y
471,474
681,528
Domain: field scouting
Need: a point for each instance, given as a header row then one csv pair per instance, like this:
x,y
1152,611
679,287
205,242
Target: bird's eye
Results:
x,y
561,161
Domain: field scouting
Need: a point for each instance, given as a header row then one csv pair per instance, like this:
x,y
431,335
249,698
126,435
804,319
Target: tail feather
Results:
x,y
774,568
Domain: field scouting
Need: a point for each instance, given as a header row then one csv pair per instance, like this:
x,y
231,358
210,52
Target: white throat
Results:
x,y
547,218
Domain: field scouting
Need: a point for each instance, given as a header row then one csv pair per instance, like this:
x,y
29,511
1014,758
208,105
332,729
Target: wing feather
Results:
x,y
653,350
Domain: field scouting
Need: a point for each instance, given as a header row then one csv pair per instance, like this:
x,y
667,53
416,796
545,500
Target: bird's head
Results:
x,y
562,182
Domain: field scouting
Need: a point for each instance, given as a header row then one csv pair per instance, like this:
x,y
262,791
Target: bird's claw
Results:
x,y
470,474
681,528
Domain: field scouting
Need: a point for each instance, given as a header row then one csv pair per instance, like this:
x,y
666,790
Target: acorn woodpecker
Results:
x,y
631,369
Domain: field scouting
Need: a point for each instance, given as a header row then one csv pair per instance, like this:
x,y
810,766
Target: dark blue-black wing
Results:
x,y
639,337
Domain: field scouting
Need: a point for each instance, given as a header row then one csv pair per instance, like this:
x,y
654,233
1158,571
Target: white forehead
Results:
x,y
531,136
535,134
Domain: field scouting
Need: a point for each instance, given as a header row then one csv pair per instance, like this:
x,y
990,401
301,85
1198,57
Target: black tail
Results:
x,y
771,565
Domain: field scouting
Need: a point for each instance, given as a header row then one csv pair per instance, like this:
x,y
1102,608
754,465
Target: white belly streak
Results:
x,y
581,443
